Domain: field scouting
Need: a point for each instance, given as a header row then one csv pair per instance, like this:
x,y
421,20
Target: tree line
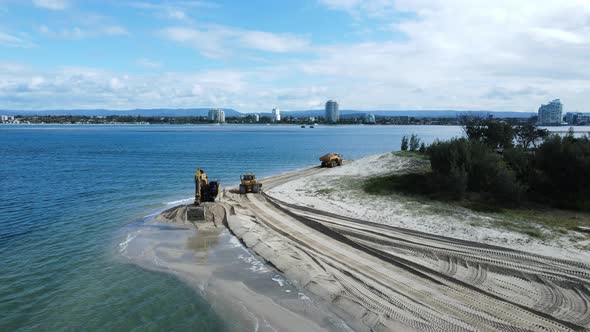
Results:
x,y
506,165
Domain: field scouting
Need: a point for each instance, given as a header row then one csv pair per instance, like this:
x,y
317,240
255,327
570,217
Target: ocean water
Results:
x,y
67,191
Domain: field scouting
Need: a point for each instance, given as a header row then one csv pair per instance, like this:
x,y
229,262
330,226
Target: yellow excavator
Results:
x,y
205,190
249,184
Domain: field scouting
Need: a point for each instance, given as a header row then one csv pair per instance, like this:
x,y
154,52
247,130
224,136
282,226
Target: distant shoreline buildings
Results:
x,y
550,114
216,115
577,118
8,119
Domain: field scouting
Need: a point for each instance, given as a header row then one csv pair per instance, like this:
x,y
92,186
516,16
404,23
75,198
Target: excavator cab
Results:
x,y
249,184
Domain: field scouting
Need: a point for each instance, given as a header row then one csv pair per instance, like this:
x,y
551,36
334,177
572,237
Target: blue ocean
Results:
x,y
68,190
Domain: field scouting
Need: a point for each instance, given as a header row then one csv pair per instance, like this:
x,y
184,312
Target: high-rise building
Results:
x,y
256,117
550,114
571,118
369,118
212,116
276,114
216,115
332,112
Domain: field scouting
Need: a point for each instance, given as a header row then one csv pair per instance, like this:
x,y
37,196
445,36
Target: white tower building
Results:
x,y
276,114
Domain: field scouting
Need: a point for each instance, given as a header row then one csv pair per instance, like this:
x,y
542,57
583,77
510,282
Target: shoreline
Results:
x,y
238,285
289,241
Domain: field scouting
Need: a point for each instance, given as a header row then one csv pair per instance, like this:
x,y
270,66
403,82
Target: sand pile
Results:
x,y
206,215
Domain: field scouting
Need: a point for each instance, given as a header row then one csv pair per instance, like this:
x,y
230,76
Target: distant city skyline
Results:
x,y
374,54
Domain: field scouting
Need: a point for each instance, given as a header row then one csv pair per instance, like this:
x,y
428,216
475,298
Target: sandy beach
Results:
x,y
347,260
334,190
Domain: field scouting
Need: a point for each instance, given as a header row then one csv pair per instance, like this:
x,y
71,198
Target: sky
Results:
x,y
252,56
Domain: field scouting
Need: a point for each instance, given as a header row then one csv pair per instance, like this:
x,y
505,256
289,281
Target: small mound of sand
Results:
x,y
207,213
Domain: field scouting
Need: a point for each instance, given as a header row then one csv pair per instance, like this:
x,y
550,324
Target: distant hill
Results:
x,y
169,112
141,112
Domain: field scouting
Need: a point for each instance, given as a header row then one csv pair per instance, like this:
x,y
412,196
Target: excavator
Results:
x,y
205,190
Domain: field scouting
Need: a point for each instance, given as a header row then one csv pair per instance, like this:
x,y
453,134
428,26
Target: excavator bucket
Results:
x,y
195,213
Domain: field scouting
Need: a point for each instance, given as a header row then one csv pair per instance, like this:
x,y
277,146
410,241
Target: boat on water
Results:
x,y
302,126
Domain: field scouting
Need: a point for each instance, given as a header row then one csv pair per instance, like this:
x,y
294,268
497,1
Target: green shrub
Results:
x,y
414,142
404,146
449,156
505,188
487,164
422,148
562,171
520,161
494,134
460,165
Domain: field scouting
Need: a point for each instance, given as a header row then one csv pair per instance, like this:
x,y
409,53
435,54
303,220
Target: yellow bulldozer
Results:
x,y
205,190
331,160
249,184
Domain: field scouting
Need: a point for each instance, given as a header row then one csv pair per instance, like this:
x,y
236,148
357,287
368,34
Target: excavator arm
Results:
x,y
199,185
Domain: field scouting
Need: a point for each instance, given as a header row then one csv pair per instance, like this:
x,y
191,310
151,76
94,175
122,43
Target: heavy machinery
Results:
x,y
205,190
249,184
331,160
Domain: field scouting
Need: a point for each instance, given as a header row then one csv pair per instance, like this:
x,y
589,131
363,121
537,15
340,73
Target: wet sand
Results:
x,y
252,295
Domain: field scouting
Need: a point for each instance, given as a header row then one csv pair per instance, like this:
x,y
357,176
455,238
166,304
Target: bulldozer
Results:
x,y
249,184
205,190
331,160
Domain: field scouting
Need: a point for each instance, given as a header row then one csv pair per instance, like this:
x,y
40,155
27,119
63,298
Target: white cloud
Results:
x,y
88,31
116,84
174,10
360,8
558,35
271,42
176,14
51,4
80,87
36,82
509,55
218,41
9,40
208,43
148,63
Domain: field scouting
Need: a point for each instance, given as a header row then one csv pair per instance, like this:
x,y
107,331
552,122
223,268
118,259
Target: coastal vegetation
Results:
x,y
497,165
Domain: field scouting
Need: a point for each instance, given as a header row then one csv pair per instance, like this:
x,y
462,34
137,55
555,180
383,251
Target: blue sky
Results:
x,y
255,55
